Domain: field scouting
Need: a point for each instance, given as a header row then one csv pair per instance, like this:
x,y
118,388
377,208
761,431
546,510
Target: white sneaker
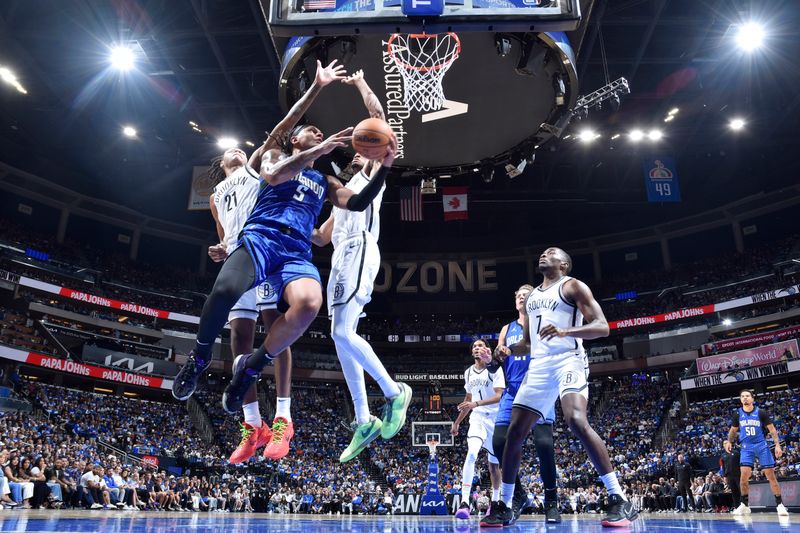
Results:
x,y
741,510
96,506
782,510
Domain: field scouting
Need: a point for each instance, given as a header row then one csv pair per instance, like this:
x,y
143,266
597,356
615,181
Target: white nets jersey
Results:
x,y
349,223
481,384
548,306
235,197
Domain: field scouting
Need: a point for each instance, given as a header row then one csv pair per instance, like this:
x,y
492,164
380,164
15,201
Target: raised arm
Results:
x,y
345,198
279,169
371,102
595,323
323,77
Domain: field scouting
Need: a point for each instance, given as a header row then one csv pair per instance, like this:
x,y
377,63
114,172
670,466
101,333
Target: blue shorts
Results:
x,y
759,451
279,259
504,413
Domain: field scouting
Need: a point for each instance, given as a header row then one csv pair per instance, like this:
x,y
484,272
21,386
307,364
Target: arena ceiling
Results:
x,y
212,62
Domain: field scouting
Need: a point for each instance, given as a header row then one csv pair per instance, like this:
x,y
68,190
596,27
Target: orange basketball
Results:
x,y
371,137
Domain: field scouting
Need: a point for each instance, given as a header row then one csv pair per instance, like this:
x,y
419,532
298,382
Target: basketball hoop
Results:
x,y
432,444
423,60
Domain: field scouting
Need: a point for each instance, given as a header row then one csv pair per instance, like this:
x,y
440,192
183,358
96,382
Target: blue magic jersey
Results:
x,y
292,205
751,426
515,366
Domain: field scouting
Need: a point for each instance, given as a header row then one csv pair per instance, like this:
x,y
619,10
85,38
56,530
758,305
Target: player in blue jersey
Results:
x,y
753,421
515,367
276,241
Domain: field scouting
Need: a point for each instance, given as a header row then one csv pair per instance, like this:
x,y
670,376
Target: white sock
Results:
x,y
465,490
343,330
495,494
283,408
612,484
252,414
507,493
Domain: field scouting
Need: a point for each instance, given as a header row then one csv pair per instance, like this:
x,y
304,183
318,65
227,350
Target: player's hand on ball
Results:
x,y
550,331
391,152
354,77
218,252
337,140
329,74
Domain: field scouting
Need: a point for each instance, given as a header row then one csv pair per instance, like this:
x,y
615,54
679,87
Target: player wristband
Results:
x,y
360,201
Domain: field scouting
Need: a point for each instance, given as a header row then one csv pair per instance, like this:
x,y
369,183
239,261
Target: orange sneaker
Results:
x,y
252,439
282,433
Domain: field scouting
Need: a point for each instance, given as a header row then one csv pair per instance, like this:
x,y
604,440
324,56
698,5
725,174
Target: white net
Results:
x,y
423,60
432,444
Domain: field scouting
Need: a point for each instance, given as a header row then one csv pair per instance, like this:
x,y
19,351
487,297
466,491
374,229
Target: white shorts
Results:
x,y
254,301
482,427
551,377
354,266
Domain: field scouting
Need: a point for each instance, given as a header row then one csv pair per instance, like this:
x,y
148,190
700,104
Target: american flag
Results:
x,y
309,5
410,204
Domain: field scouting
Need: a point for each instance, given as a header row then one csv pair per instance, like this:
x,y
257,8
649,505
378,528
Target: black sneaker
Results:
x,y
620,512
499,516
518,504
551,514
186,381
244,376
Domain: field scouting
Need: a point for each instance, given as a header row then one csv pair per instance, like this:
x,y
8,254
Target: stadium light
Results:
x,y
636,135
673,111
669,118
129,131
587,136
249,143
655,135
737,124
750,36
10,78
122,58
615,136
727,322
227,142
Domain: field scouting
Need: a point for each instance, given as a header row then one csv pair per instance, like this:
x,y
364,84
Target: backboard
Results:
x,y
356,17
422,432
498,103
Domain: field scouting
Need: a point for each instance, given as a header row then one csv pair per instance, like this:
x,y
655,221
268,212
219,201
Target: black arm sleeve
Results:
x,y
765,419
735,419
361,200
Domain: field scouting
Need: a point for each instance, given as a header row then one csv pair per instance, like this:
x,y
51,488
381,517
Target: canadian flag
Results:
x,y
454,200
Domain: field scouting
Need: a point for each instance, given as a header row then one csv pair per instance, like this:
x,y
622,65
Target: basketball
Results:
x,y
371,137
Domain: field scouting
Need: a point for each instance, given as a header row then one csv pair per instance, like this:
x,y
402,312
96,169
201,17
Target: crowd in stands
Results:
x,y
54,456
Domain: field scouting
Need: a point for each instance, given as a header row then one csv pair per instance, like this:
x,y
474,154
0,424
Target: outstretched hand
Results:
x,y
337,140
391,152
353,78
331,73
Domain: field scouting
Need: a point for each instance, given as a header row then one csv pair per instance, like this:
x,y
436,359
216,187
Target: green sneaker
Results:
x,y
394,412
363,435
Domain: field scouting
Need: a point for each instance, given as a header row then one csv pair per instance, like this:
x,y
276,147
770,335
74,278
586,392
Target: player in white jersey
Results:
x,y
354,266
554,330
484,390
231,203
